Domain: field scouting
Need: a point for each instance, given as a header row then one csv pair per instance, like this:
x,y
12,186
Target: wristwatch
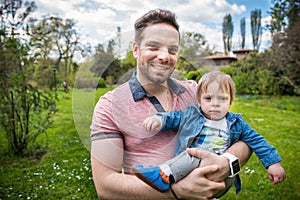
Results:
x,y
234,164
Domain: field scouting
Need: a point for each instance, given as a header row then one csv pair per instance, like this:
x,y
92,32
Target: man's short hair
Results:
x,y
154,17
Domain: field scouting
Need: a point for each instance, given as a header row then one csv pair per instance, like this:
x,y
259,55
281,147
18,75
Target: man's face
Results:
x,y
157,53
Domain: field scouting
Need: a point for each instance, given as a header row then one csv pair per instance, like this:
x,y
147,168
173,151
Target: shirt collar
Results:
x,y
138,91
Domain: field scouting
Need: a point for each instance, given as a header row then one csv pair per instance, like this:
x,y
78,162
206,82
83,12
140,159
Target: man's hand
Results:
x,y
197,186
239,149
208,159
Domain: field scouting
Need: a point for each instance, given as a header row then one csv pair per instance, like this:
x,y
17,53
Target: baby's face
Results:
x,y
214,102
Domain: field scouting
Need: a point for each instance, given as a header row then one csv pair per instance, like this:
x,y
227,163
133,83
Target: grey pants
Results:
x,y
181,165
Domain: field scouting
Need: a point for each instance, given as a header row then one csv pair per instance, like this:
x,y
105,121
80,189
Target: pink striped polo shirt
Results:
x,y
122,111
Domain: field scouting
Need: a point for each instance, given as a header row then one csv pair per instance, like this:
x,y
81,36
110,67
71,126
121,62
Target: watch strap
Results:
x,y
230,156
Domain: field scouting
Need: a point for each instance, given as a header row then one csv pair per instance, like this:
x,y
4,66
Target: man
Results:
x,y
118,137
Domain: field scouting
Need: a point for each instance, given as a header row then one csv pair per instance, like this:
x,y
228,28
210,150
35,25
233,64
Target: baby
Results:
x,y
208,126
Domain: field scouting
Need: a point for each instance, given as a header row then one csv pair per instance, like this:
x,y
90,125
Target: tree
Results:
x,y
284,55
278,22
55,39
25,112
193,47
102,60
243,31
256,29
12,16
227,33
283,13
128,64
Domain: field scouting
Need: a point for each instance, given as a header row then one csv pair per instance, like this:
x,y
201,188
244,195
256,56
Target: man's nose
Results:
x,y
163,54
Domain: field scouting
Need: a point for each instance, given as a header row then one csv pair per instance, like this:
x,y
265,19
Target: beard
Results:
x,y
156,72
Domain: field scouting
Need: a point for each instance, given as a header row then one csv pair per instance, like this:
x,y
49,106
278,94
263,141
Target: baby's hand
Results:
x,y
152,123
276,173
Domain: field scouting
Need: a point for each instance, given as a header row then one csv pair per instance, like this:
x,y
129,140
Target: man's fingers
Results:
x,y
211,169
208,169
197,153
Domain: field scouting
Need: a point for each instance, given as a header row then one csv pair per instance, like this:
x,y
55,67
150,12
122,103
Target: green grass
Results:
x,y
64,171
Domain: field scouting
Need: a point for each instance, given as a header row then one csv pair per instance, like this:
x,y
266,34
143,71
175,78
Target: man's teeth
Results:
x,y
160,67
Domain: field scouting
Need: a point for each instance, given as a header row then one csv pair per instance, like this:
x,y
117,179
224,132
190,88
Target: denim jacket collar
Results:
x,y
138,91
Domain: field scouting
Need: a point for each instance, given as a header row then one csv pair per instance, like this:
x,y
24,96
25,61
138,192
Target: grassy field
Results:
x,y
63,171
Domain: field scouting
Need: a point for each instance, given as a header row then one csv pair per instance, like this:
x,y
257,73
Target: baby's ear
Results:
x,y
198,101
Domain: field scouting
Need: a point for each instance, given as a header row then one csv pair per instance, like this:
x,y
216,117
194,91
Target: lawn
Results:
x,y
278,120
63,171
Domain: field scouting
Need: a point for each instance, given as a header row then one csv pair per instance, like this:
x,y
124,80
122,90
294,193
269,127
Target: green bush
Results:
x,y
101,83
197,74
252,76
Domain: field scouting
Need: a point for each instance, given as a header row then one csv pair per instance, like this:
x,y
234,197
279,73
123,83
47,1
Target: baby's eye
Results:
x,y
207,98
223,98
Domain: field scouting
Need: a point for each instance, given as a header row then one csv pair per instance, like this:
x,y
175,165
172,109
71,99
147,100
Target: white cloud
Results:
x,y
97,20
207,11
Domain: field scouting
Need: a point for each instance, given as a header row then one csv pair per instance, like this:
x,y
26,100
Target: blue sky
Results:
x,y
97,20
250,5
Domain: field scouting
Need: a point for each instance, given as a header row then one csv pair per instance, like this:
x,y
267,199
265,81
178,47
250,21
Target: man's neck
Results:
x,y
155,89
152,88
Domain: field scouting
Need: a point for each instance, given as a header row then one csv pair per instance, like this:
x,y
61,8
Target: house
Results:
x,y
218,60
224,60
241,53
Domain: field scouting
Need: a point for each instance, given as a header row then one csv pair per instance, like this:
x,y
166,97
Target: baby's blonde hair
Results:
x,y
225,82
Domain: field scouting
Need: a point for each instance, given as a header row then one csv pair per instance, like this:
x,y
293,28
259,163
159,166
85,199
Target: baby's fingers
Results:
x,y
155,126
276,179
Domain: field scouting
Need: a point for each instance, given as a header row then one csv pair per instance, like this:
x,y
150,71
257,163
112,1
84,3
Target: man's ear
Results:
x,y
134,49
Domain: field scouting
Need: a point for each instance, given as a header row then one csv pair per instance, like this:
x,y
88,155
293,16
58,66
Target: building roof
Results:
x,y
243,50
220,57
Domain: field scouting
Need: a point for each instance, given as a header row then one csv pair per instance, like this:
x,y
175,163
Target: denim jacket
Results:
x,y
189,123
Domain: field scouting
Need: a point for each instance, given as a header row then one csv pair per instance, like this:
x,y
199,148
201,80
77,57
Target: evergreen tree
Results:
x,y
256,29
243,32
227,33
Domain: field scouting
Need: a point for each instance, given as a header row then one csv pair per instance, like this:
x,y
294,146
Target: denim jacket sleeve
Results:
x,y
186,122
241,130
171,120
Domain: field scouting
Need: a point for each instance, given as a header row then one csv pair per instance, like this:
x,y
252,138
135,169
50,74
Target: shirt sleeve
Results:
x,y
102,121
192,86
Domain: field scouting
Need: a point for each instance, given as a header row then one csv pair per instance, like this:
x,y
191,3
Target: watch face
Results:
x,y
235,166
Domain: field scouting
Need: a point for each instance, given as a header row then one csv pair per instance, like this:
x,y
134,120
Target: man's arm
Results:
x,y
110,183
106,159
197,186
239,149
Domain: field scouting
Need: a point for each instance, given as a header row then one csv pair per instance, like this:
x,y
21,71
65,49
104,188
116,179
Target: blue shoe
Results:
x,y
151,176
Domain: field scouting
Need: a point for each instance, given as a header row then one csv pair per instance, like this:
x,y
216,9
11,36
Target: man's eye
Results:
x,y
153,47
173,50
